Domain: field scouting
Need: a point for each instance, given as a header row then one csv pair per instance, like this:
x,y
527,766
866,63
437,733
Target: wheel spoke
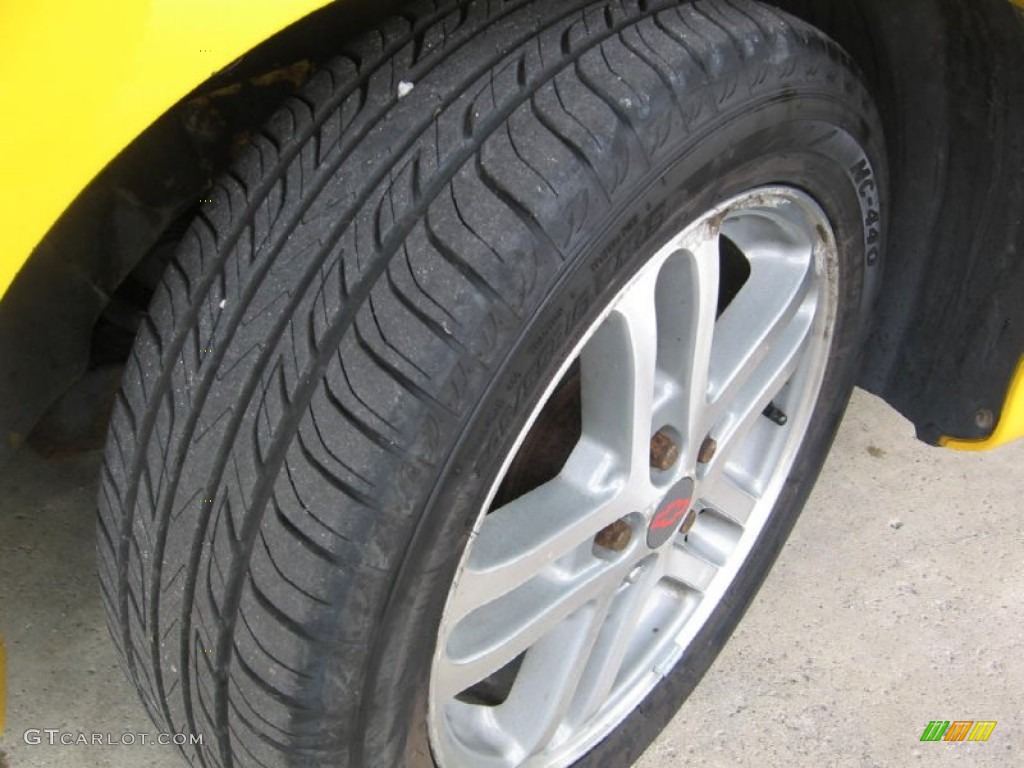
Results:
x,y
728,495
611,645
548,680
685,567
712,540
618,366
758,319
521,539
497,633
777,367
687,305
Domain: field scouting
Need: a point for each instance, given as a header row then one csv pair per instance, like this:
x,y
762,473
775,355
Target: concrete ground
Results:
x,y
899,600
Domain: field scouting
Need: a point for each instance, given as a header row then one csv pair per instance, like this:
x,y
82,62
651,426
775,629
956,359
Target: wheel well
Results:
x,y
70,316
945,74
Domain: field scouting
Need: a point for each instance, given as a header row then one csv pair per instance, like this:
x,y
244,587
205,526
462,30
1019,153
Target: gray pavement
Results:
x,y
899,600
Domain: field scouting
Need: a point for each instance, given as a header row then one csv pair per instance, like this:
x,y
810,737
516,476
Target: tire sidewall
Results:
x,y
808,141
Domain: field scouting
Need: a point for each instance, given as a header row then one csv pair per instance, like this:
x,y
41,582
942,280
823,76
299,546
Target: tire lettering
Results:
x,y
864,180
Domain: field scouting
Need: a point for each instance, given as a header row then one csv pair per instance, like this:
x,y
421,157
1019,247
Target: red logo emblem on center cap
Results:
x,y
671,515
668,520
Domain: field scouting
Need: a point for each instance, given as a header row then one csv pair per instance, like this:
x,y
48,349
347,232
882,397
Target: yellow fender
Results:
x,y
1011,424
80,80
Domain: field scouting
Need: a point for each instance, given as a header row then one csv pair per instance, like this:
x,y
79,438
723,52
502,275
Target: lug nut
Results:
x,y
615,537
688,520
664,451
707,450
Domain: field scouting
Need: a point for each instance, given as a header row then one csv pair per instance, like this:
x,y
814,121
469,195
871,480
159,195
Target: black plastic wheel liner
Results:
x,y
949,78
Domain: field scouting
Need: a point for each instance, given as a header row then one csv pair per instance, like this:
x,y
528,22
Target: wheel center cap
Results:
x,y
671,512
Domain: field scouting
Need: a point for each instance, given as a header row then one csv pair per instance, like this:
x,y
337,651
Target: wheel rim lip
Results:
x,y
824,264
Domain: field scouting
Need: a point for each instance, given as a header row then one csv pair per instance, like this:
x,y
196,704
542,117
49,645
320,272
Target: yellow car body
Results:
x,y
80,81
1011,424
85,87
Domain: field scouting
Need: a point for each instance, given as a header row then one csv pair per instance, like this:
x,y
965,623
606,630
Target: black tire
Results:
x,y
351,333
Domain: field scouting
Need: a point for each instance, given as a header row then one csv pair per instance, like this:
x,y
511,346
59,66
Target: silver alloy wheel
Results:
x,y
578,633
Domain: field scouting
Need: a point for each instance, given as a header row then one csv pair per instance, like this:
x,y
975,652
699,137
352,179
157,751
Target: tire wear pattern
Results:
x,y
331,318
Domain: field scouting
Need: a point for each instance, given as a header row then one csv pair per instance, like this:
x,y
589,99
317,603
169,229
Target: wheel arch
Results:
x,y
74,303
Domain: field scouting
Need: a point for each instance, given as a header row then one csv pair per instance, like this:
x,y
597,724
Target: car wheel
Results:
x,y
474,409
